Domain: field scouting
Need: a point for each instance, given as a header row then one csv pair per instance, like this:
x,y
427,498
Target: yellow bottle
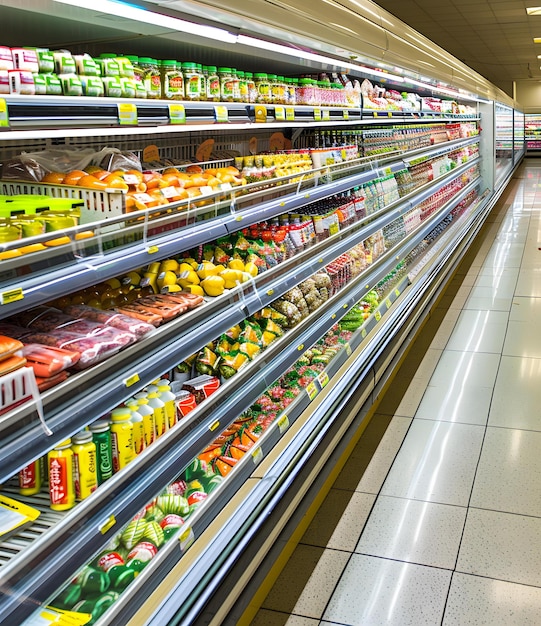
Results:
x,y
30,479
60,470
138,426
84,464
168,398
158,407
121,438
149,425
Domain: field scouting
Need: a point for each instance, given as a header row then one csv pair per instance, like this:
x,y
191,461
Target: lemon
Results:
x,y
188,278
251,268
197,290
213,285
169,265
231,277
206,269
236,264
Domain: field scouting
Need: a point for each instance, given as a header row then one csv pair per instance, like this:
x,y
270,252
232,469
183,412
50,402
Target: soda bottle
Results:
x,y
121,438
60,470
30,479
101,436
168,398
158,406
138,426
149,425
84,464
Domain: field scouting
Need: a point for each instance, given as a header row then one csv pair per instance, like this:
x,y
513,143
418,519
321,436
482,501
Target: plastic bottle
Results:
x,y
213,84
250,84
226,84
243,87
30,479
236,85
121,438
138,426
60,471
151,77
192,82
168,398
172,80
263,88
101,436
149,426
84,464
158,406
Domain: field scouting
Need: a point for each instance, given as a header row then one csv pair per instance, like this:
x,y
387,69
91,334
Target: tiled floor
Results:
x,y
439,522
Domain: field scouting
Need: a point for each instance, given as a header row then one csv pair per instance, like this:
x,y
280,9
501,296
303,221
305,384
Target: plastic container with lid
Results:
x,y
213,84
226,84
172,80
250,85
152,78
291,91
263,87
192,82
274,89
25,59
6,59
21,82
243,87
236,85
203,85
306,92
138,77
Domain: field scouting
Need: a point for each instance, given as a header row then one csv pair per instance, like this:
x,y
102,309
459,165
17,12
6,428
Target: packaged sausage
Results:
x,y
47,361
51,381
111,318
138,312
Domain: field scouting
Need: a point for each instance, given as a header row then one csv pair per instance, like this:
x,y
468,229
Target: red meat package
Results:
x,y
47,361
13,331
51,381
43,318
140,313
138,328
162,306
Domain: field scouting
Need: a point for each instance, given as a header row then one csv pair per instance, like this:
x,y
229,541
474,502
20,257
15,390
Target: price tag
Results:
x,y
389,114
270,292
323,379
363,333
127,114
214,426
326,115
134,378
317,114
283,423
170,192
312,390
131,179
221,113
226,187
397,292
375,113
177,114
388,171
257,455
279,114
301,347
108,524
143,197
388,303
377,316
345,114
152,249
290,114
186,539
206,190
347,348
6,297
260,113
4,117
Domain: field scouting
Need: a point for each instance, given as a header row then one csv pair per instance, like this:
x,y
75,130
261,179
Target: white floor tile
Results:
x,y
521,341
479,331
529,282
517,394
504,546
480,601
509,472
436,463
502,284
486,299
526,309
379,592
349,528
466,405
458,370
417,532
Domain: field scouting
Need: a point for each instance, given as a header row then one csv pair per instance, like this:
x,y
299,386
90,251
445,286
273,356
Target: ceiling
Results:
x,y
494,37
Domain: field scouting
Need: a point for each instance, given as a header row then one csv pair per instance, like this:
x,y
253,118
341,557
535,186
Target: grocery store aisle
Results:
x,y
442,524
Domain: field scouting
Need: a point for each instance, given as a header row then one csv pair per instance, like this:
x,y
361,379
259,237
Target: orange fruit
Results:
x,y
115,182
73,177
56,178
91,182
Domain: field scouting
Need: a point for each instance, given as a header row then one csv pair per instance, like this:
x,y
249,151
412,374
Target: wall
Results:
x,y
528,95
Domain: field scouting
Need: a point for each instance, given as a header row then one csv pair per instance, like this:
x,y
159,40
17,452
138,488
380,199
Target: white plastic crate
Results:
x,y
20,387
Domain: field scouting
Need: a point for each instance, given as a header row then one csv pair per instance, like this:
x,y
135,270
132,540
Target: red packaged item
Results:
x,y
13,331
191,300
47,361
185,403
160,306
51,381
9,346
43,318
140,313
138,328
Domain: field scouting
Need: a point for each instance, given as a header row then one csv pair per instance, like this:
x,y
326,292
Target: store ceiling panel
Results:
x,y
495,37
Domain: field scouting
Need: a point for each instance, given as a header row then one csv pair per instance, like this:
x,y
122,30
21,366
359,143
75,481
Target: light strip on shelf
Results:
x,y
121,9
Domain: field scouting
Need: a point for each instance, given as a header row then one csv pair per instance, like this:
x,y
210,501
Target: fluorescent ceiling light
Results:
x,y
121,9
533,11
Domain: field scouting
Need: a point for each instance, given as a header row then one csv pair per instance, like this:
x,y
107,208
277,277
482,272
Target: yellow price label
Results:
x,y
326,115
13,295
214,426
397,292
317,114
270,292
283,423
127,114
290,114
260,113
221,113
323,379
177,114
377,315
153,249
388,303
301,347
279,114
345,114
108,524
389,114
129,382
186,539
363,333
311,390
4,117
347,347
257,455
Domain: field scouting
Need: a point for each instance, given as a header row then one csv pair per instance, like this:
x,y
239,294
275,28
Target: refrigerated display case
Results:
x,y
532,132
419,195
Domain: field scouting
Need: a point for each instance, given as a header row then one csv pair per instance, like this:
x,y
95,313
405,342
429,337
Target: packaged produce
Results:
x,y
25,59
6,59
60,471
51,381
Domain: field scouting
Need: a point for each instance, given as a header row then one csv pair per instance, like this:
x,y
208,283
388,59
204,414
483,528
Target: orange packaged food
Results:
x,y
11,363
9,346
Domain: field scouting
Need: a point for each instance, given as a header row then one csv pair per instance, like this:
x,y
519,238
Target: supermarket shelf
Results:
x,y
371,116
100,389
68,543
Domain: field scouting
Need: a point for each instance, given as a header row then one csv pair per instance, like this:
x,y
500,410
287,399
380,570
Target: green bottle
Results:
x,y
101,436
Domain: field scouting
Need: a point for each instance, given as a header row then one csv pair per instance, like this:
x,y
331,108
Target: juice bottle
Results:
x,y
101,436
158,406
60,470
138,426
84,464
30,479
149,425
168,398
121,438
